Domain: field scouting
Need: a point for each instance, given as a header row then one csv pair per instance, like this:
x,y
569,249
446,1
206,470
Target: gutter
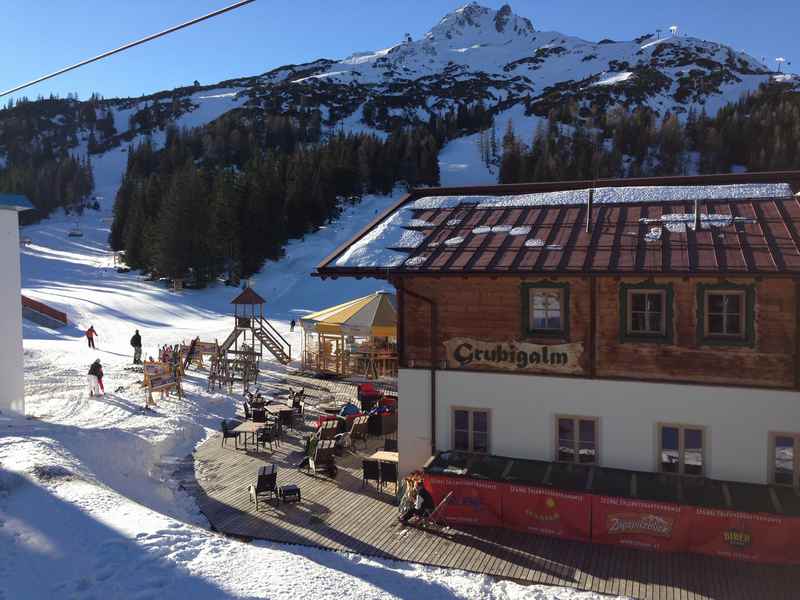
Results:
x,y
433,353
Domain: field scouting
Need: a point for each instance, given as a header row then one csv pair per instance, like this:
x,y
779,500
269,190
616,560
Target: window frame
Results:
x,y
773,435
626,312
526,289
681,427
748,294
576,419
471,429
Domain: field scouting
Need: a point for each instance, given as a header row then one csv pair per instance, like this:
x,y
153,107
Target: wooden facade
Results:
x,y
490,308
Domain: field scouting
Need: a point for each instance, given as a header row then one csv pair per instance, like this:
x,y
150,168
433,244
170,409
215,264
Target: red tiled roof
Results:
x,y
763,236
248,296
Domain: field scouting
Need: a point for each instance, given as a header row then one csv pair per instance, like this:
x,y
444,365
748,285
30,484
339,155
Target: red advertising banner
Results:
x,y
474,501
756,537
650,525
545,511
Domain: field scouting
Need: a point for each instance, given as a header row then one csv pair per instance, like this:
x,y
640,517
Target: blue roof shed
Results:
x,y
16,202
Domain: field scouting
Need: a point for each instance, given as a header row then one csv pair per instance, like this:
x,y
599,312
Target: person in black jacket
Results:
x,y
136,342
95,378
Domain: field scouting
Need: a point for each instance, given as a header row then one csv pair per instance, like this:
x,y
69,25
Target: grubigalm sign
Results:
x,y
513,356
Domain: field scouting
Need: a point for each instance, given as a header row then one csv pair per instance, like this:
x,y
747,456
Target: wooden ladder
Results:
x,y
272,342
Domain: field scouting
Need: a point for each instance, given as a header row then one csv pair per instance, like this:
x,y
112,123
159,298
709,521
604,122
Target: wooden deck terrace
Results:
x,y
339,515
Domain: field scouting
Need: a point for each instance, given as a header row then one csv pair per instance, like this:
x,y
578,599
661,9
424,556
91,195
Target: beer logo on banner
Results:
x,y
625,523
737,538
551,504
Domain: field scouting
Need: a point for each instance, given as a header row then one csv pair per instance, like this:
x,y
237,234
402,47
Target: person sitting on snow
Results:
x,y
422,507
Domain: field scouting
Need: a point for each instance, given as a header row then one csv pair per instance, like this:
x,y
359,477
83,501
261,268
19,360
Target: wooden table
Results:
x,y
385,456
276,408
249,427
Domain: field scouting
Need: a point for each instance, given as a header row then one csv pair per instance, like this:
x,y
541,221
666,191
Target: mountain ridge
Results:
x,y
473,55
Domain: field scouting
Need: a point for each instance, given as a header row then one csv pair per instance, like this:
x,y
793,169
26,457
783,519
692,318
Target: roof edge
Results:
x,y
555,186
364,230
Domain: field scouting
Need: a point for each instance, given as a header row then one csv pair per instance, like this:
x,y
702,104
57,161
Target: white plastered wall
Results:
x,y
413,419
737,420
11,364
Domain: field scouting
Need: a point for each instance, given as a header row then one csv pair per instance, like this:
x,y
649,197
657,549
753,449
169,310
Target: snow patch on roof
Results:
x,y
653,235
523,230
628,194
416,261
454,241
534,243
420,223
501,228
434,202
373,250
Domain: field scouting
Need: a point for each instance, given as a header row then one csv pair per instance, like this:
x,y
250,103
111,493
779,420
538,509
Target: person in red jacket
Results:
x,y
90,334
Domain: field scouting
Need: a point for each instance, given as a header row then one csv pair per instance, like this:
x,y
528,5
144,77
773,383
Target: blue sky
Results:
x,y
41,36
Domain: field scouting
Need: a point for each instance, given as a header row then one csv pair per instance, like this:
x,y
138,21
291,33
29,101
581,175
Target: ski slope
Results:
x,y
88,508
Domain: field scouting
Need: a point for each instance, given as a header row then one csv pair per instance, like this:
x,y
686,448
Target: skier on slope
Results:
x,y
291,325
96,379
136,342
90,335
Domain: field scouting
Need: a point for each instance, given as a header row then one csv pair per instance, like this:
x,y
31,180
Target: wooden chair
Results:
x,y
298,415
323,457
371,472
247,413
360,429
259,415
328,429
266,484
227,433
389,473
267,435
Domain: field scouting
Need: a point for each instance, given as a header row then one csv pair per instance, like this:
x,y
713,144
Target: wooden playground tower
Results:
x,y
252,334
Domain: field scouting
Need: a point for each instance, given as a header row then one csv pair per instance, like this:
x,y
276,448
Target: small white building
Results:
x,y
12,390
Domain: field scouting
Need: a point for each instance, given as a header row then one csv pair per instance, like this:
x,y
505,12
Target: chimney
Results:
x,y
589,210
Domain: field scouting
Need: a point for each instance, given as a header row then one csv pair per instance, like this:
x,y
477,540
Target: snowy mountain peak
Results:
x,y
474,21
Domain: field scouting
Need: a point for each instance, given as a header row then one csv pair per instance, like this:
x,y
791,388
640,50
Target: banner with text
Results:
x,y
545,511
641,524
474,502
756,537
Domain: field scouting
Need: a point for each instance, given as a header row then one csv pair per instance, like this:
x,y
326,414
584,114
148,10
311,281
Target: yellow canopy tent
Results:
x,y
370,317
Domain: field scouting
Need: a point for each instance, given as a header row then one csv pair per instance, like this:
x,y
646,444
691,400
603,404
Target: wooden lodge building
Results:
x,y
649,324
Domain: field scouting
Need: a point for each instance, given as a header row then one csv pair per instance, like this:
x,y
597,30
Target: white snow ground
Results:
x,y
87,505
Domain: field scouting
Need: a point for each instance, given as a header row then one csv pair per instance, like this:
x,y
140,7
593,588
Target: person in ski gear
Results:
x,y
136,342
95,375
423,504
291,325
90,335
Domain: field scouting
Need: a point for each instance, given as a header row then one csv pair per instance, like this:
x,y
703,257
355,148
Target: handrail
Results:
x,y
275,331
